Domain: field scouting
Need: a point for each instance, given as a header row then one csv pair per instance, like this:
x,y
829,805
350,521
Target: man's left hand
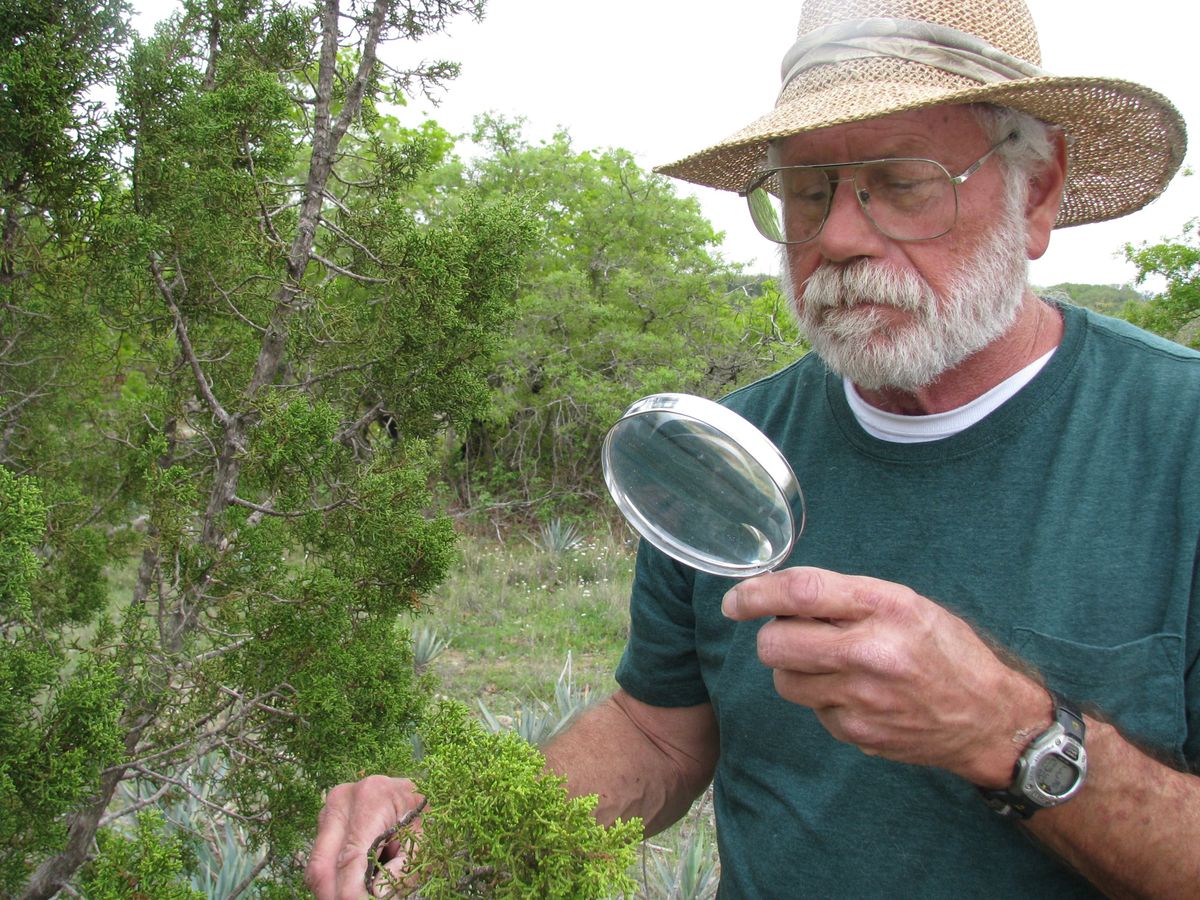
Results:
x,y
892,672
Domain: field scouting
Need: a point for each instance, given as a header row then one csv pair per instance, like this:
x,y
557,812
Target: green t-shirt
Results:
x,y
1064,525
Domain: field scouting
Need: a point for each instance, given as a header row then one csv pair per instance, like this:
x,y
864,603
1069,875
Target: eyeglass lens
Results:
x,y
907,199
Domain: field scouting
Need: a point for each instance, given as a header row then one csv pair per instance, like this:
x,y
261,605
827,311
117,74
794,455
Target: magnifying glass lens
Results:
x,y
698,492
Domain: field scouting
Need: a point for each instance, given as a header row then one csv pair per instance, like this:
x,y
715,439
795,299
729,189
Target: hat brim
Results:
x,y
1126,142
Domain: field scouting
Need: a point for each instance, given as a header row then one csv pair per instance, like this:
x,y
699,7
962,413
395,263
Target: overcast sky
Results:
x,y
665,78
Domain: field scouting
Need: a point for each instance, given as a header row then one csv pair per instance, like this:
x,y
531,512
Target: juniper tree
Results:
x,y
628,295
253,343
59,715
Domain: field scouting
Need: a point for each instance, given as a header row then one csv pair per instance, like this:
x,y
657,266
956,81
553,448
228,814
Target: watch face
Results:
x,y
1056,776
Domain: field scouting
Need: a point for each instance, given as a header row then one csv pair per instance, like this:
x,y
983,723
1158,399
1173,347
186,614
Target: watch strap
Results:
x,y
1067,714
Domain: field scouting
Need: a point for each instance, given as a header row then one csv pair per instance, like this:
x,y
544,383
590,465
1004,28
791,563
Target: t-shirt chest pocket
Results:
x,y
1137,686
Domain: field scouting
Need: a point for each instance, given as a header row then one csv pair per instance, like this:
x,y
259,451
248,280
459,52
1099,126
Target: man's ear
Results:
x,y
1045,198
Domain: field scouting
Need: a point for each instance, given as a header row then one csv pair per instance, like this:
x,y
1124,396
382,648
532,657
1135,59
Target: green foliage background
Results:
x,y
625,296
261,347
1109,299
1175,311
258,341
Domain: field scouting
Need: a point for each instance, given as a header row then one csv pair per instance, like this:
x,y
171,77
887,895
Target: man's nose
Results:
x,y
849,232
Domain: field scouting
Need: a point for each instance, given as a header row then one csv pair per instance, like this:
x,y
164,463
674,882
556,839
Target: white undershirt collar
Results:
x,y
902,429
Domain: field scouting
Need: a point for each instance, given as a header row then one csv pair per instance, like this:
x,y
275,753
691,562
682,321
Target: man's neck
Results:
x,y
1037,330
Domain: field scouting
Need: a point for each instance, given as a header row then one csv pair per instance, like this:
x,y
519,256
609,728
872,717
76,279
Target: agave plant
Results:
x,y
537,721
695,874
557,537
225,865
427,646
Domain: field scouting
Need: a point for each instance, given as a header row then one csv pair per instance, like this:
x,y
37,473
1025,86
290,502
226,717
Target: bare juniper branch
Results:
x,y
186,348
340,270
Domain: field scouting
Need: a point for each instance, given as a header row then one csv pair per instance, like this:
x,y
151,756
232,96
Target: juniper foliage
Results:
x,y
498,825
228,343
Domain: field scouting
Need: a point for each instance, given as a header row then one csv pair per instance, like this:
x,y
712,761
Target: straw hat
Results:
x,y
863,59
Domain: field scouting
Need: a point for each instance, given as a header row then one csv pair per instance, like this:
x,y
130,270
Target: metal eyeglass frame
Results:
x,y
955,180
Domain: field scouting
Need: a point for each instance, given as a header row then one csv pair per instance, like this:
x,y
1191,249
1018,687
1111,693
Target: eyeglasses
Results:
x,y
906,199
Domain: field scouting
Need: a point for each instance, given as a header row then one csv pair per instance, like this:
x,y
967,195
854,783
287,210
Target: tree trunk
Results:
x,y
56,871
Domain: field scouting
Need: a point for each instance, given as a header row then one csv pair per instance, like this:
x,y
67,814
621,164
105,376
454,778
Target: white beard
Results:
x,y
980,304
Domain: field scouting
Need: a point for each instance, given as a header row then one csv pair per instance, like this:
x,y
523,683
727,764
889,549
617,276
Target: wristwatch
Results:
x,y
1051,769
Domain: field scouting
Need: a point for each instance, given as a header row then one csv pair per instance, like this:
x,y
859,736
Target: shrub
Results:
x,y
499,825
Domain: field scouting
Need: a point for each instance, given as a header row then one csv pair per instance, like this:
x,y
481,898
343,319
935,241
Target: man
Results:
x,y
1003,510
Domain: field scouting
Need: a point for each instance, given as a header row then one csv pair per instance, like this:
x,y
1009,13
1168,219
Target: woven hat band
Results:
x,y
948,49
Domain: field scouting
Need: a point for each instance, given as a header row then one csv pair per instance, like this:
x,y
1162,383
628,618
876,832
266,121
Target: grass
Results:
x,y
513,611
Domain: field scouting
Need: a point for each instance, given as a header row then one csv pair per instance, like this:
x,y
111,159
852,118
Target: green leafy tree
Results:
x,y
59,712
1174,312
626,297
55,179
230,366
54,139
56,732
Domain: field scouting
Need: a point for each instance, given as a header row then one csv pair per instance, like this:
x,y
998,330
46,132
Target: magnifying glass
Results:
x,y
703,485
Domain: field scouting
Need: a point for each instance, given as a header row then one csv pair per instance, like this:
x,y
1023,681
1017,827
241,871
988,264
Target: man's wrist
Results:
x,y
1050,771
1028,711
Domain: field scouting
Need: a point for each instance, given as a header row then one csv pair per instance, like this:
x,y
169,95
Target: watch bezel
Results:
x,y
1050,743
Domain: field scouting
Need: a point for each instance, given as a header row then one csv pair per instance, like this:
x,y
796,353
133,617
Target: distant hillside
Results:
x,y
1104,298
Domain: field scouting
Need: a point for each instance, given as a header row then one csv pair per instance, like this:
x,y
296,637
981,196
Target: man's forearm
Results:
x,y
1134,828
640,761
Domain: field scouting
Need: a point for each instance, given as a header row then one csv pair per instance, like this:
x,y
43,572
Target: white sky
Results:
x,y
665,78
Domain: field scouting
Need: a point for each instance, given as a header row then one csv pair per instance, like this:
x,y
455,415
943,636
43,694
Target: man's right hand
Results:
x,y
355,816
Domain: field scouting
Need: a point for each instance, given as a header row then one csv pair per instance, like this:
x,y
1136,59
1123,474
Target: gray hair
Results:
x,y
1032,150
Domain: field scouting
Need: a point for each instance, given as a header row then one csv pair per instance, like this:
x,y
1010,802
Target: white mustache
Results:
x,y
865,281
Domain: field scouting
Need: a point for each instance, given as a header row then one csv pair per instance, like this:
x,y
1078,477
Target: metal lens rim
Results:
x,y
758,197
758,449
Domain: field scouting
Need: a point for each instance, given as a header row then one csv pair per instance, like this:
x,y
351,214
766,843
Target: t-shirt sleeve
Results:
x,y
660,665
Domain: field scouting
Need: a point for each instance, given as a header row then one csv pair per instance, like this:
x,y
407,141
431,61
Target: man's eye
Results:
x,y
899,183
812,196
905,192
807,193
